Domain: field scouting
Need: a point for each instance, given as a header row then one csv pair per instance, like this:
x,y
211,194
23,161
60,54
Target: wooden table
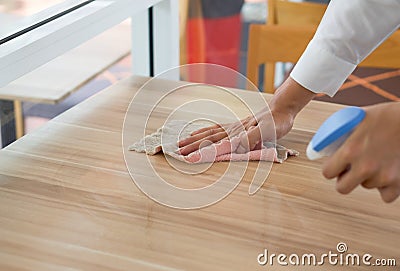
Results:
x,y
49,83
68,202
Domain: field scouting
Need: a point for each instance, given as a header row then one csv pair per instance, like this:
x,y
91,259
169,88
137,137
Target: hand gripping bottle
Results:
x,y
334,131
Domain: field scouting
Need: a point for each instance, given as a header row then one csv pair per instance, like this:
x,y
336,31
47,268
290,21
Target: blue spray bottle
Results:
x,y
334,131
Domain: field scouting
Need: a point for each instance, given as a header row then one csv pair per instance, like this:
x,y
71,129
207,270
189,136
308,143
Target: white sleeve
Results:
x,y
349,31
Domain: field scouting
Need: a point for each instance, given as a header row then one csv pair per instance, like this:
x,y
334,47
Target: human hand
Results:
x,y
252,130
371,155
286,103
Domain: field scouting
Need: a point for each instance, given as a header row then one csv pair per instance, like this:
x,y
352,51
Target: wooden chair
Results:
x,y
284,12
269,44
183,18
280,43
287,33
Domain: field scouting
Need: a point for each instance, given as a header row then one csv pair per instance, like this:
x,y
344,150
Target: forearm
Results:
x,y
348,32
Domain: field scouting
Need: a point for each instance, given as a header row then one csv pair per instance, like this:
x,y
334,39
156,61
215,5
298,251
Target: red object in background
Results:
x,y
222,41
195,41
214,40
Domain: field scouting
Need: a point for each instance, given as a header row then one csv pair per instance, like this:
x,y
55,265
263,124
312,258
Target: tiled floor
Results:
x,y
368,86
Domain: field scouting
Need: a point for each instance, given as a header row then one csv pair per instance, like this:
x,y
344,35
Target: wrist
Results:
x,y
290,98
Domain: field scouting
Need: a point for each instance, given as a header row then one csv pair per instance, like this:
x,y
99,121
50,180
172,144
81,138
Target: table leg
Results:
x,y
19,119
7,116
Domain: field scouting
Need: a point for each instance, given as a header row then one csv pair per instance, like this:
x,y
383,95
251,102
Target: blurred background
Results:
x,y
212,31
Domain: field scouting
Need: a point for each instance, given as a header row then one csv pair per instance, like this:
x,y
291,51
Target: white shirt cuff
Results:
x,y
320,71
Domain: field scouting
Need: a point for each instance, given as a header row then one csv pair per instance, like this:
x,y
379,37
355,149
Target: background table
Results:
x,y
154,47
67,201
155,36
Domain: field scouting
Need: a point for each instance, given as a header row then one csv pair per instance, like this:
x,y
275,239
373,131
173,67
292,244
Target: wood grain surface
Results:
x,y
67,201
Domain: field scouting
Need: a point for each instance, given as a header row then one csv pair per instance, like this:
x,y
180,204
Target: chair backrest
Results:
x,y
387,55
284,12
269,44
274,42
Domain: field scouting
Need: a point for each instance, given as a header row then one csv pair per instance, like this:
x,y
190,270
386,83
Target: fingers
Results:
x,y
249,122
207,132
363,174
202,130
202,142
255,131
387,180
349,180
366,173
212,133
349,171
376,181
338,162
389,193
